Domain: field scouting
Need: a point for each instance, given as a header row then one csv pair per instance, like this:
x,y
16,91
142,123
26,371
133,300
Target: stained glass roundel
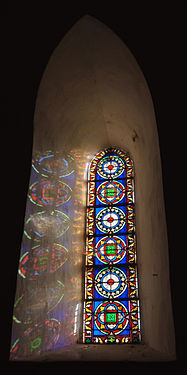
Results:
x,y
111,166
111,317
110,192
110,220
110,282
110,250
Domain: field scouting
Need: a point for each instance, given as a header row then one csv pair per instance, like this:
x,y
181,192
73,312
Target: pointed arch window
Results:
x,y
111,305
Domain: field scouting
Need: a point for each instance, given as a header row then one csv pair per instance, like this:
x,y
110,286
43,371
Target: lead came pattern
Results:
x,y
111,307
110,250
110,192
110,220
110,282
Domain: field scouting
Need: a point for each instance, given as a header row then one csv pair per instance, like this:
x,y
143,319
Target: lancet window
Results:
x,y
111,305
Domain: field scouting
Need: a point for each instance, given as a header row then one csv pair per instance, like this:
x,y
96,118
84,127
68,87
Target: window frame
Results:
x,y
89,319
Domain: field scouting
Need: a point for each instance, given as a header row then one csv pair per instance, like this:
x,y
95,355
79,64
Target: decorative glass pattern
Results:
x,y
111,306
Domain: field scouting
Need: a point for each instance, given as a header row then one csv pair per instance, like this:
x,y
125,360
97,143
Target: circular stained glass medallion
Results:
x,y
111,166
49,193
110,250
110,220
110,192
111,317
111,282
46,224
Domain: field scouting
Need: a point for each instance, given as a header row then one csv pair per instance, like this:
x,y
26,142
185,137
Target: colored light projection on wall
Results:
x,y
111,307
42,303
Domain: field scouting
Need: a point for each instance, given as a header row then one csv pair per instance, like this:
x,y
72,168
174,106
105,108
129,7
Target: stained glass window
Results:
x,y
111,305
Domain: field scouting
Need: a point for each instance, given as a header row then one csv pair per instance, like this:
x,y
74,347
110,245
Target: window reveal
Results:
x,y
111,306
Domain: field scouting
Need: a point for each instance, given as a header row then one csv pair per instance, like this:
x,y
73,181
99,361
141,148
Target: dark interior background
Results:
x,y
156,37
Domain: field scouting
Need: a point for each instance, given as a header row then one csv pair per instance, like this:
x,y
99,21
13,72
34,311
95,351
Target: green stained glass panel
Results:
x,y
110,192
111,317
110,249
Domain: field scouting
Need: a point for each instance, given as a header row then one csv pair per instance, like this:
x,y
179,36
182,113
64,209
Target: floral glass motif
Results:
x,y
111,306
